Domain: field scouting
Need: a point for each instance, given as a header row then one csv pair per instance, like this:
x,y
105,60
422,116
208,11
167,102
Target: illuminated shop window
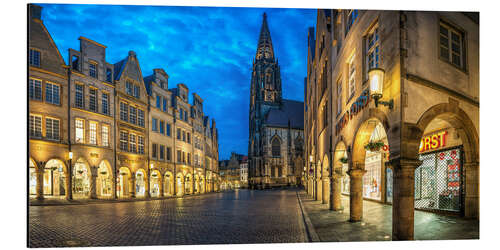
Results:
x,y
32,178
81,180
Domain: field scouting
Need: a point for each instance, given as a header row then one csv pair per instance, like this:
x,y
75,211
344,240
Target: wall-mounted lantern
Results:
x,y
376,76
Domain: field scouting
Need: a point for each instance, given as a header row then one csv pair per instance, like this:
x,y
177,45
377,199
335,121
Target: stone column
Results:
x,y
113,186
132,183
93,182
335,198
471,172
356,193
404,198
39,182
193,182
161,186
325,190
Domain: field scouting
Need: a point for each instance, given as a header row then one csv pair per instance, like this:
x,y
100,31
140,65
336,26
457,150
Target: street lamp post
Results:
x,y
376,77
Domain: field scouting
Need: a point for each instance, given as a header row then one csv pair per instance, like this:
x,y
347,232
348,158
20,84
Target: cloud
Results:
x,y
210,49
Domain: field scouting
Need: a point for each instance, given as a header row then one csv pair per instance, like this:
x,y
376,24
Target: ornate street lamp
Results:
x,y
376,76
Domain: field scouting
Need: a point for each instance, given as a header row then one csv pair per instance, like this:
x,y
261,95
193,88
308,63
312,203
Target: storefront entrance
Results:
x,y
168,184
104,180
155,183
81,180
54,179
140,184
123,183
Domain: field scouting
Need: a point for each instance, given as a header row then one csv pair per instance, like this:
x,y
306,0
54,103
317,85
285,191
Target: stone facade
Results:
x,y
431,65
99,123
275,124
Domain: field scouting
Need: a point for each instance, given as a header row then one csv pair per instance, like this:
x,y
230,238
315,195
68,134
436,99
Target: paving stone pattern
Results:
x,y
243,216
333,226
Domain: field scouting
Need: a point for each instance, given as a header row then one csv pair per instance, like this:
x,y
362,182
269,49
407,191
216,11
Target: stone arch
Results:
x,y
363,134
459,120
55,178
155,183
124,182
468,134
168,184
104,180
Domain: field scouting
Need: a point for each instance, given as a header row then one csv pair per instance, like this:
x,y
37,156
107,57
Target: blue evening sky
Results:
x,y
210,49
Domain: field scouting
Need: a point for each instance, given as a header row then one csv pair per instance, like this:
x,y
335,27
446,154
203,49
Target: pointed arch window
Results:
x,y
276,147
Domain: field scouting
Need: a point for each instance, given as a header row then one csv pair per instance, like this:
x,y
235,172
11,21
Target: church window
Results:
x,y
276,147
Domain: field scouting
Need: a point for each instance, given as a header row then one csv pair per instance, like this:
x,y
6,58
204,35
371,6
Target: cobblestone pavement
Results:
x,y
242,216
333,226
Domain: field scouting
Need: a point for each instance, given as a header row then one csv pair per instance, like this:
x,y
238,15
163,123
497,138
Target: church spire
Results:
x,y
265,46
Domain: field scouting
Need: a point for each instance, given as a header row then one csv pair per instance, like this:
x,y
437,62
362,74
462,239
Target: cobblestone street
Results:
x,y
242,216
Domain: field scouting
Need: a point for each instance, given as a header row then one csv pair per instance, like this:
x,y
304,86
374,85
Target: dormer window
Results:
x,y
75,63
109,75
128,88
93,69
137,91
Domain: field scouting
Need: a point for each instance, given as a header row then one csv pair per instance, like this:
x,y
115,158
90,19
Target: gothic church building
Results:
x,y
276,125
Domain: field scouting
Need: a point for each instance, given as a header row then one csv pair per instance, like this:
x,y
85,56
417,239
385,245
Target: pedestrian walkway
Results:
x,y
333,226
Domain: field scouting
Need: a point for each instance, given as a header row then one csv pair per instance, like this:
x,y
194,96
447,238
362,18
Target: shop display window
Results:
x,y
372,177
388,175
32,180
345,179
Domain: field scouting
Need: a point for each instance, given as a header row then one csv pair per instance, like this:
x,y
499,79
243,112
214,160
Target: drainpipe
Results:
x,y
70,168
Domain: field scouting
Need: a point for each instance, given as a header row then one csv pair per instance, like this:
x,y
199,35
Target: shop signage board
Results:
x,y
433,141
356,107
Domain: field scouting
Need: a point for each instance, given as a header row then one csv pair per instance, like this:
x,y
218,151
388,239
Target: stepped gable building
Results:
x,y
275,124
101,131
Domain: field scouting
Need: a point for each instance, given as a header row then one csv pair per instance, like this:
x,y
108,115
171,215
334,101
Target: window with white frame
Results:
x,y
93,69
132,143
140,120
34,57
35,125
124,140
451,45
133,115
339,96
140,144
372,49
93,133
52,93
105,103
79,96
93,99
79,131
352,77
123,111
52,128
105,135
35,89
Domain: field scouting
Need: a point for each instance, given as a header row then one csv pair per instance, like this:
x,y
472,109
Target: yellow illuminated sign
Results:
x,y
434,141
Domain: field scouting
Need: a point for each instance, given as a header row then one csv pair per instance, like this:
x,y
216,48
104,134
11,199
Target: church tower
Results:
x,y
265,93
